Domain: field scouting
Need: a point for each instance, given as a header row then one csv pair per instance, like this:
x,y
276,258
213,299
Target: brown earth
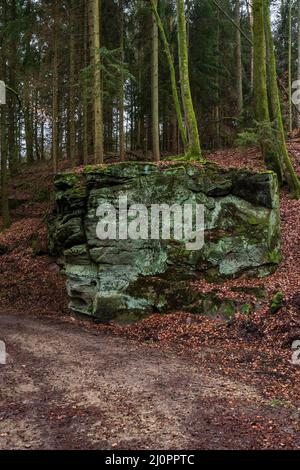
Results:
x,y
66,387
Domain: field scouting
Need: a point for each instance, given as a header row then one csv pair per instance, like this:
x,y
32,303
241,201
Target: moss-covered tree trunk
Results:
x,y
55,133
260,91
287,169
155,90
194,149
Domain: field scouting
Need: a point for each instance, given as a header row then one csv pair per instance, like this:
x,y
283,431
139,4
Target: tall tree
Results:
x,y
4,173
298,53
286,167
3,130
155,90
85,107
194,149
55,134
239,65
121,95
175,94
94,32
72,128
290,68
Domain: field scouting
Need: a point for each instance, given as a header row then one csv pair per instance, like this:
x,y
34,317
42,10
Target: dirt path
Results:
x,y
65,388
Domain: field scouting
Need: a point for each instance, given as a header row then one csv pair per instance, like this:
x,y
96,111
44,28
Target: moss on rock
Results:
x,y
132,278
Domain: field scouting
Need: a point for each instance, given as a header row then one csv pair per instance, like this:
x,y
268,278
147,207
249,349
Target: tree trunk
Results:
x,y
85,99
239,65
280,145
3,136
260,69
121,95
194,149
12,111
55,139
290,68
155,91
298,67
249,5
72,128
94,31
42,139
172,76
4,174
28,120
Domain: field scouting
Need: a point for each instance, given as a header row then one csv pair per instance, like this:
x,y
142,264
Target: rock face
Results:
x,y
128,279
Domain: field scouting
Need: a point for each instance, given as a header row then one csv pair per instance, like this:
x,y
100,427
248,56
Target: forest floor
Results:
x,y
175,381
65,387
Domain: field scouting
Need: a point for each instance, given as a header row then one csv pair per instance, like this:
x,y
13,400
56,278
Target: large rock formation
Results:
x,y
127,279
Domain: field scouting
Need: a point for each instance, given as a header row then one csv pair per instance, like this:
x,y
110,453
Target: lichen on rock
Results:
x,y
115,279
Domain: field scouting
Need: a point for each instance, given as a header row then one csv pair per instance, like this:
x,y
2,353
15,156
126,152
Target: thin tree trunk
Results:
x,y
36,123
217,107
172,76
155,90
28,123
94,27
298,67
55,140
4,173
290,68
72,128
3,137
85,100
12,117
284,159
260,69
250,16
239,65
42,139
121,95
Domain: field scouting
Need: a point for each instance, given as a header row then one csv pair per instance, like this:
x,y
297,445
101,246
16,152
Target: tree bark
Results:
x,y
94,31
172,76
283,157
239,65
84,98
155,91
3,136
298,65
121,95
290,68
72,128
194,149
55,138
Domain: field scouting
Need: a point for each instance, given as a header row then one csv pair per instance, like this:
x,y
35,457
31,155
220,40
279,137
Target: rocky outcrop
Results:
x,y
128,279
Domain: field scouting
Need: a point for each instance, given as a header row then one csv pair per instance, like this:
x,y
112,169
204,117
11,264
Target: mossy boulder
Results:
x,y
115,279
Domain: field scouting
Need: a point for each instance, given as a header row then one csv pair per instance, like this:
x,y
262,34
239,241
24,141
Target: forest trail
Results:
x,y
65,387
